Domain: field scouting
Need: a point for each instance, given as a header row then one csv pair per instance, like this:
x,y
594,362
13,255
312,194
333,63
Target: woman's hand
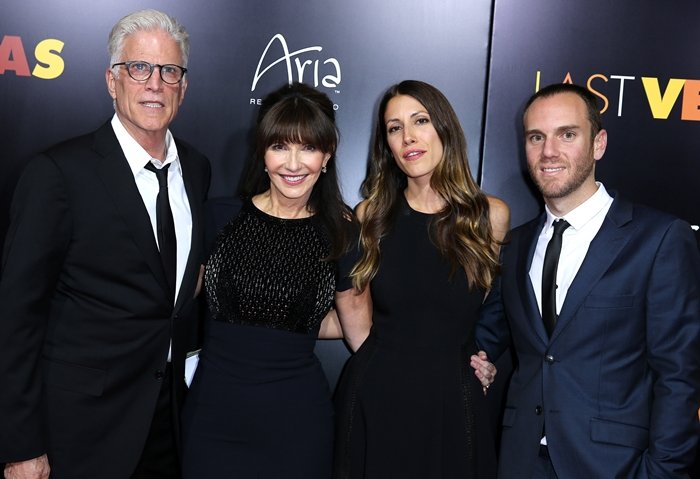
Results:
x,y
484,370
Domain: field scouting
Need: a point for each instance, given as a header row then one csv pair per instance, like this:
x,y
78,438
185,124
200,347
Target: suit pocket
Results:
x,y
509,414
73,377
610,432
609,302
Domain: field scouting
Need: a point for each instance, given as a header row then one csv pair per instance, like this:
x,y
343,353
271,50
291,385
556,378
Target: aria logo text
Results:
x,y
305,65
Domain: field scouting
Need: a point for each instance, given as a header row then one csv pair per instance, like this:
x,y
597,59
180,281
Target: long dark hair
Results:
x,y
298,113
461,231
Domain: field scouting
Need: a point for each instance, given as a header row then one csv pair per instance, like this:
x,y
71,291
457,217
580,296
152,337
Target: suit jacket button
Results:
x,y
159,374
538,410
549,359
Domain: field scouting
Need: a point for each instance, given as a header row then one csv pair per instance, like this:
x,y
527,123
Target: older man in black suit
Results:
x,y
99,278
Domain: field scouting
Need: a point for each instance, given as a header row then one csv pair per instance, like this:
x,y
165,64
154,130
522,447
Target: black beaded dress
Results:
x,y
408,403
259,406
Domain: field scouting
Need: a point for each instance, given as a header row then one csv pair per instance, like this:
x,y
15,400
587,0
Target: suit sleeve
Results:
x,y
34,250
673,348
492,330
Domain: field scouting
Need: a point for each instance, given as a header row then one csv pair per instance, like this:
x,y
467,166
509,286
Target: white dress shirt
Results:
x,y
585,220
147,184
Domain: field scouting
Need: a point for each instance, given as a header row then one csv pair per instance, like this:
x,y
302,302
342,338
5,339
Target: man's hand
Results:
x,y
484,370
37,468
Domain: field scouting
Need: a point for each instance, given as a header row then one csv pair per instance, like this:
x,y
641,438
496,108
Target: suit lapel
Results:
x,y
603,250
117,178
527,294
194,197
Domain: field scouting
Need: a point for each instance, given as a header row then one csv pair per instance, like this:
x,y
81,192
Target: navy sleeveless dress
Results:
x,y
408,403
259,405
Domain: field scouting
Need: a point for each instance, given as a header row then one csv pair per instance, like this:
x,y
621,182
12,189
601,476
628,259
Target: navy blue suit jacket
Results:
x,y
617,385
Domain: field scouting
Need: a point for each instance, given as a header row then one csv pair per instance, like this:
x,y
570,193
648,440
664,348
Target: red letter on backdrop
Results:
x,y
12,56
691,100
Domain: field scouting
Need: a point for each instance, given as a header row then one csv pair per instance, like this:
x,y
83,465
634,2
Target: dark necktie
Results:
x,y
165,225
549,276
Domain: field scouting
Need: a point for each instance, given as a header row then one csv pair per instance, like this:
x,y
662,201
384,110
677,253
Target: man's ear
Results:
x,y
111,83
600,143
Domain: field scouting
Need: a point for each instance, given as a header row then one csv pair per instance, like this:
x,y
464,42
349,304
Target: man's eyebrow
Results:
x,y
558,130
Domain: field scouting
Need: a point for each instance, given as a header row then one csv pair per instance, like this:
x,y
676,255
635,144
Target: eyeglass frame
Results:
x,y
151,67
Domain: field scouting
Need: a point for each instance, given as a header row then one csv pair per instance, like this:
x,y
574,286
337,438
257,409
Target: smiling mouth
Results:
x,y
152,104
293,179
411,155
553,170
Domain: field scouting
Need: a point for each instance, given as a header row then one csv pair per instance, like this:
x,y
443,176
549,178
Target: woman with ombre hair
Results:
x,y
408,404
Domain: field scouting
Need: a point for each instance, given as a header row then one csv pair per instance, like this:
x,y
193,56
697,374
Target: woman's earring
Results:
x,y
266,169
323,170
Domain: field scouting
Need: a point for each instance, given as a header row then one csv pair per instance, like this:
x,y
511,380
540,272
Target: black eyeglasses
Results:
x,y
142,71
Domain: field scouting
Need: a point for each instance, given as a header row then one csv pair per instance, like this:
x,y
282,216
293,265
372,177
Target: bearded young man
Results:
x,y
600,299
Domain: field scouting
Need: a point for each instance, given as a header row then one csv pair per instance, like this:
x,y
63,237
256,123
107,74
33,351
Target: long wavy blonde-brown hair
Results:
x,y
461,230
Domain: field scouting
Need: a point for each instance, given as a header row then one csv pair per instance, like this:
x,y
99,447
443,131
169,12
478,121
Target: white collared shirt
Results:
x,y
147,184
585,220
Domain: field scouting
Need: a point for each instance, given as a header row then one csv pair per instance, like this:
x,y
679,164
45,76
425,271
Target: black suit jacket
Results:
x,y
85,320
617,385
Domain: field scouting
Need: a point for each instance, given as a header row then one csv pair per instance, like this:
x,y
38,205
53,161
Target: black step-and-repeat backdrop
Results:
x,y
640,58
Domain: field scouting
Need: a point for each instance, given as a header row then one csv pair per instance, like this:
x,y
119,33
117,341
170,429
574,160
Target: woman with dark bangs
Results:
x,y
409,404
259,406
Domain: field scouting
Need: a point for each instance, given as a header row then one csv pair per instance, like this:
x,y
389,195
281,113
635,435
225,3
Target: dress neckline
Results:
x,y
276,219
410,209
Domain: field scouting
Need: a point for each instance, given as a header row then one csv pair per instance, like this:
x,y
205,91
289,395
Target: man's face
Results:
x,y
146,108
560,153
